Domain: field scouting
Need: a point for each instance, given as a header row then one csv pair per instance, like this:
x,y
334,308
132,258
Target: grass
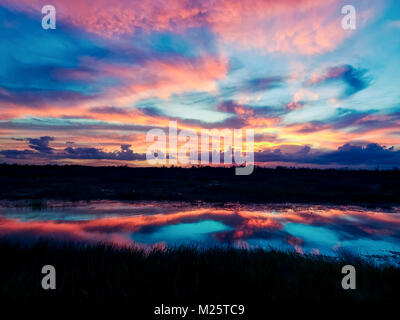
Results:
x,y
185,274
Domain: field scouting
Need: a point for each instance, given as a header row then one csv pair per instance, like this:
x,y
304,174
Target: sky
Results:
x,y
87,92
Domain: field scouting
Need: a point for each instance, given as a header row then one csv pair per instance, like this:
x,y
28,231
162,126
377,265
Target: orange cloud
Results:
x,y
154,78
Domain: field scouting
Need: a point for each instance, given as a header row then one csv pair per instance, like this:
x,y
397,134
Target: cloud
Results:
x,y
18,154
71,124
41,144
78,70
240,116
131,65
293,106
108,110
266,137
349,154
94,153
289,26
164,78
42,150
233,122
355,122
240,223
247,111
39,98
262,84
371,155
354,79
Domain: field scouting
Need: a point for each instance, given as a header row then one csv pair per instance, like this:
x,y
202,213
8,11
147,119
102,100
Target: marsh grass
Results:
x,y
185,274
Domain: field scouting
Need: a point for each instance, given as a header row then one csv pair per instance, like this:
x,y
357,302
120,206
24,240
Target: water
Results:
x,y
316,229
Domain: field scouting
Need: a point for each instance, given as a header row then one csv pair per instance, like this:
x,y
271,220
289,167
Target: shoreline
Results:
x,y
214,185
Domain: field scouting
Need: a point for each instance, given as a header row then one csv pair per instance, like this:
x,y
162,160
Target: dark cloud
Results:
x,y
108,110
75,117
354,79
39,98
266,137
369,123
41,144
233,122
355,121
242,110
151,111
94,153
229,106
262,84
42,150
313,126
70,125
277,155
253,85
370,155
19,154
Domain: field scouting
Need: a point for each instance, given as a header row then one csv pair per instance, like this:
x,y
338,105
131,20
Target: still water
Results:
x,y
316,229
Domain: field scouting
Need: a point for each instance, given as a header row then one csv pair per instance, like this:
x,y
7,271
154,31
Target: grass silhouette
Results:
x,y
185,274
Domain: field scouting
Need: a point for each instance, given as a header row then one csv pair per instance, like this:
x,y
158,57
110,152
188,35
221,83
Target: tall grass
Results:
x,y
185,274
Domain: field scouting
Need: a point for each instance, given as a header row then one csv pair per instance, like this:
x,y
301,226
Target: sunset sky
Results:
x,y
88,92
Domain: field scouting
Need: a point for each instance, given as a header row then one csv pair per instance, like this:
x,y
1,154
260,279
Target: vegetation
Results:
x,y
365,187
185,274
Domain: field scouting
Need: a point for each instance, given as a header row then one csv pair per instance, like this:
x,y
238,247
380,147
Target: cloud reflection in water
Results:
x,y
313,229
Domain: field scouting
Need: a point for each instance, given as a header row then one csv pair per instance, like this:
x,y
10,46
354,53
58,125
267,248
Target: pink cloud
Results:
x,y
155,77
289,26
333,73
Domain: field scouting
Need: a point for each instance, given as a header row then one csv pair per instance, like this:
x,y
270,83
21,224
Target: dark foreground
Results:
x,y
375,188
185,275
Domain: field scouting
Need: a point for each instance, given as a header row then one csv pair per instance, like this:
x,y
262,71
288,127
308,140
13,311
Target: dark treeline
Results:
x,y
370,187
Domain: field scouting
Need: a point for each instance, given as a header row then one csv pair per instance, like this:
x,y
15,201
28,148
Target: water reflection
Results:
x,y
310,229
